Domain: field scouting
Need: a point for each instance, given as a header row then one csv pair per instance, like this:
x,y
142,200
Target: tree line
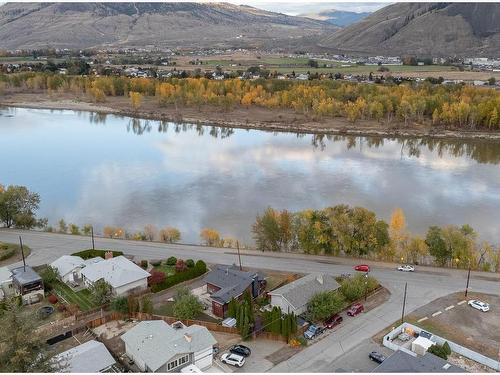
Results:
x,y
456,106
355,231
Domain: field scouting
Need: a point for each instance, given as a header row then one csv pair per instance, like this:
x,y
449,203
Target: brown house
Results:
x,y
227,282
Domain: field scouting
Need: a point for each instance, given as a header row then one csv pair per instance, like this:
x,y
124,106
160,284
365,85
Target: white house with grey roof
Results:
x,y
294,296
123,275
69,267
155,346
89,357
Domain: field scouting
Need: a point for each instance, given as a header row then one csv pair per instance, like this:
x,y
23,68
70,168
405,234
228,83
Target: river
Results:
x,y
112,170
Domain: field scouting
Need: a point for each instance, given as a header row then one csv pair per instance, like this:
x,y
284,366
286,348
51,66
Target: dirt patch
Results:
x,y
462,324
468,364
239,117
282,354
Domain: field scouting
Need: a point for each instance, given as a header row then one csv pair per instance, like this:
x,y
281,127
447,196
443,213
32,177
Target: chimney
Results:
x,y
187,337
108,255
319,279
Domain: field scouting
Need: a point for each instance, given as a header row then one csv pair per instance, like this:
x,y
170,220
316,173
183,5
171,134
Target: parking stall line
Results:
x,y
461,302
437,313
449,307
422,319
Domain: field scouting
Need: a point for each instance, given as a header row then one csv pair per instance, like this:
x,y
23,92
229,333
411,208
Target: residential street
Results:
x,y
424,285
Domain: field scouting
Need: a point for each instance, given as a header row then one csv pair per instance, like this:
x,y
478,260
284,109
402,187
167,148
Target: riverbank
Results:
x,y
258,118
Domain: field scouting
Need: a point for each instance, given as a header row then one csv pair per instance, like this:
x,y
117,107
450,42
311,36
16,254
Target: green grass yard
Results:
x,y
81,298
167,270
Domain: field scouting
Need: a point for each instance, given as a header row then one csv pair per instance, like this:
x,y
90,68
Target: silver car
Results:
x,y
482,306
406,268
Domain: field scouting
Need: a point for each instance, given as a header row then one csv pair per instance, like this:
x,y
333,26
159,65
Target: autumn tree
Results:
x,y
18,206
398,233
150,232
135,100
210,237
170,235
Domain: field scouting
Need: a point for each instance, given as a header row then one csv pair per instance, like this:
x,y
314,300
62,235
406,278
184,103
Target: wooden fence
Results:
x,y
188,322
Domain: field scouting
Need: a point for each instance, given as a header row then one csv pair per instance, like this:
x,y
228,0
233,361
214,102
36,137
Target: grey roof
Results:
x,y
299,292
231,280
25,275
5,274
155,342
67,263
117,272
91,356
403,362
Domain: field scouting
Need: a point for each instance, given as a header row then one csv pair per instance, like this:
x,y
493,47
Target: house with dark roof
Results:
x,y
294,297
28,284
401,361
227,282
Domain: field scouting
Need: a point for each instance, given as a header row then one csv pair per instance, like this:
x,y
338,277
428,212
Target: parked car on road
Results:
x,y
362,268
333,321
406,268
377,357
355,309
240,350
483,306
233,359
313,331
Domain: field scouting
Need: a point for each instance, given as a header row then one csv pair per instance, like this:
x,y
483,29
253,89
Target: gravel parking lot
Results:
x,y
474,329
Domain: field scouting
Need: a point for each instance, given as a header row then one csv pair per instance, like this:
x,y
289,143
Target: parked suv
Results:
x,y
233,359
240,350
355,309
313,331
333,321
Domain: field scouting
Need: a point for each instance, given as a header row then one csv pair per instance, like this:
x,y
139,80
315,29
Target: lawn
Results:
x,y
81,298
167,270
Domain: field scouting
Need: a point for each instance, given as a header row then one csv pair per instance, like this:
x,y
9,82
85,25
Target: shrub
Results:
x,y
157,277
186,305
171,261
155,263
180,266
6,251
325,304
52,299
61,307
87,254
199,269
190,263
49,276
438,351
120,304
144,264
355,287
446,348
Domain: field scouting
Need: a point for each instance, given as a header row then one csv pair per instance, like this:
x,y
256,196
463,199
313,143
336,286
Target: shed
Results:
x,y
421,344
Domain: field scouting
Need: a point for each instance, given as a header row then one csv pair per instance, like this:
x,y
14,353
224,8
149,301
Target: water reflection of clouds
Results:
x,y
186,177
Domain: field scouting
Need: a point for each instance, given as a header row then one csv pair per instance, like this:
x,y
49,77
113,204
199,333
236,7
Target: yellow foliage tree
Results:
x,y
135,99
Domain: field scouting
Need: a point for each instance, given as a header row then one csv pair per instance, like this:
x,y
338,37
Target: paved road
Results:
x,y
424,285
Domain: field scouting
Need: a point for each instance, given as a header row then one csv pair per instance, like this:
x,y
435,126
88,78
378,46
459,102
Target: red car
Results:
x,y
355,309
333,321
362,268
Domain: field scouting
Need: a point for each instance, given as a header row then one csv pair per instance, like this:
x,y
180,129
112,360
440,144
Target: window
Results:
x,y
178,362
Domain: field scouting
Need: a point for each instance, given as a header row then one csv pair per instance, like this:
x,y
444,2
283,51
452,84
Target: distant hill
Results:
x,y
193,25
339,18
436,29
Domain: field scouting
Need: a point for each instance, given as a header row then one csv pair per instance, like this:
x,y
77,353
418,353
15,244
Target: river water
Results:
x,y
112,170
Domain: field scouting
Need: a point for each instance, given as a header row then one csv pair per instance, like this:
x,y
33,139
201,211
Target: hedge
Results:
x,y
88,254
199,269
171,261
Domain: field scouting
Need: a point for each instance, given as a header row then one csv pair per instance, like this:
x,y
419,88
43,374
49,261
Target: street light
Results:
x,y
366,285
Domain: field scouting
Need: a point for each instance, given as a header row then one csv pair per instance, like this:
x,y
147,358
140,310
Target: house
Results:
x,y
295,296
401,361
91,356
6,286
155,346
28,284
69,267
124,276
227,282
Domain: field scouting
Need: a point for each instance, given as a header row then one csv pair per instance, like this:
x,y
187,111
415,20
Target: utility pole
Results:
x,y
22,253
404,304
92,233
467,286
366,285
239,255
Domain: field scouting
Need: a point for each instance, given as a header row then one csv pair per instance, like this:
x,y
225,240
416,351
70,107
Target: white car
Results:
x,y
233,359
406,268
483,306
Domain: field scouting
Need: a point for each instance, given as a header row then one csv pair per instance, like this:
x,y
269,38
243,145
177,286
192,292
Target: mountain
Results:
x,y
339,18
182,24
432,29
